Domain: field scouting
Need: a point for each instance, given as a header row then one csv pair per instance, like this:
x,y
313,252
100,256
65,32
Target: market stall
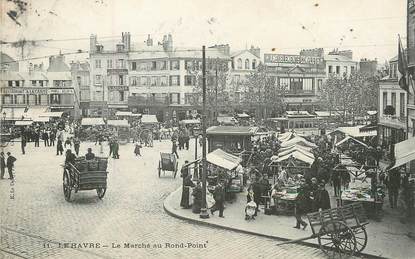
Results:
x,y
122,129
92,122
233,139
192,125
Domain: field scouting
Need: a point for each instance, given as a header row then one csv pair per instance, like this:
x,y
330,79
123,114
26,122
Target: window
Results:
x,y
162,65
8,99
153,65
134,65
97,63
10,83
32,99
33,82
246,63
43,84
385,100
120,79
337,69
330,69
121,96
175,98
308,84
345,70
17,83
319,84
174,65
153,81
174,80
393,100
254,64
352,69
98,80
109,63
402,105
236,78
188,64
133,81
189,80
55,99
239,64
120,63
144,81
163,80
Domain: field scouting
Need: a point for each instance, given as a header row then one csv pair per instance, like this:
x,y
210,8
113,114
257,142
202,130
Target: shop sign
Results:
x,y
21,90
292,59
60,91
118,88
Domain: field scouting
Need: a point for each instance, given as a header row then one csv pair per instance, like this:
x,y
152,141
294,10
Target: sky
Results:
x,y
368,27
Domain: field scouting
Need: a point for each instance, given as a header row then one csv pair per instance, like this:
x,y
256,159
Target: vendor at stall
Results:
x,y
187,185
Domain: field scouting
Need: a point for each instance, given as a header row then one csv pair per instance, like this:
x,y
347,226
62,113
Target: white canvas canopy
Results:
x,y
283,137
51,114
92,121
121,123
404,152
23,123
298,141
149,119
349,139
121,113
296,149
223,159
190,121
243,115
297,155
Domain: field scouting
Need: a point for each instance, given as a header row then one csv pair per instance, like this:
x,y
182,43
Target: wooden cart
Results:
x,y
168,162
85,175
340,231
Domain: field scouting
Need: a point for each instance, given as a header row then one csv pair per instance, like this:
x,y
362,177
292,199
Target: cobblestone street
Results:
x,y
38,221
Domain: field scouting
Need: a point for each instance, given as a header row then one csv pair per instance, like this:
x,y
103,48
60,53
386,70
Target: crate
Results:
x,y
93,165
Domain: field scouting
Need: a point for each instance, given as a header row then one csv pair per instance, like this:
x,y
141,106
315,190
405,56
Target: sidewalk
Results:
x,y
388,238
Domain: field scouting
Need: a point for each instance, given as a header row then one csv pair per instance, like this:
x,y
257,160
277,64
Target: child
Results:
x,y
137,149
250,207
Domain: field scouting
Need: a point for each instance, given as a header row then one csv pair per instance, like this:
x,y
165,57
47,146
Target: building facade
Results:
x,y
81,82
392,109
340,63
32,88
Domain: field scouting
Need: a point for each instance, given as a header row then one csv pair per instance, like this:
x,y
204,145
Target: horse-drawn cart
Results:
x,y
85,175
339,230
168,162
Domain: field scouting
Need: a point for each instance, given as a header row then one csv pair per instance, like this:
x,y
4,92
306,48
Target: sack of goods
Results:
x,y
80,164
93,165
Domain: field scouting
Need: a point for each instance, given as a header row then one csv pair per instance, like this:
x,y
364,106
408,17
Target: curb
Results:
x,y
169,210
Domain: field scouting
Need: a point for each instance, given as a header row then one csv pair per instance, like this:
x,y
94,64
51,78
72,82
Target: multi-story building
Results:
x,y
81,82
31,90
244,62
368,67
392,113
340,63
302,76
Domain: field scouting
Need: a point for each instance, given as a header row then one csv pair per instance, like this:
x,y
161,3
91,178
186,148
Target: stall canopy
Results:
x,y
119,123
287,136
41,119
121,113
299,141
356,132
149,119
92,121
404,152
190,121
23,123
223,159
226,120
296,148
243,115
34,113
308,149
349,139
297,155
51,114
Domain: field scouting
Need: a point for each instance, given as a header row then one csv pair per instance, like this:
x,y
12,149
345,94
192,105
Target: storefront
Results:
x,y
231,139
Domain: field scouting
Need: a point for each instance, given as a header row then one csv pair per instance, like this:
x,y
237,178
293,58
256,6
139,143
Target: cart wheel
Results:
x,y
101,192
159,169
336,239
67,186
361,238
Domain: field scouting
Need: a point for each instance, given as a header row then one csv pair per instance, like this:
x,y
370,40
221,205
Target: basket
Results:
x,y
81,165
93,165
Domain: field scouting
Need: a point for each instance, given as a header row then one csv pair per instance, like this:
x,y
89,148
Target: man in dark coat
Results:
x,y
393,182
2,164
257,189
335,179
23,144
76,144
174,149
89,155
52,138
302,204
219,196
45,137
10,164
187,185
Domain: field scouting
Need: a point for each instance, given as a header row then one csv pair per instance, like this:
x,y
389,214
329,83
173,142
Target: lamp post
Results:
x,y
4,120
203,211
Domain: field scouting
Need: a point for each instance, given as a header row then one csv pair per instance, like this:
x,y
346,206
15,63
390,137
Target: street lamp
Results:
x,y
4,119
203,212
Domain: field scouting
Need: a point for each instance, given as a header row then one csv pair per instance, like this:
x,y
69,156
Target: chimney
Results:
x,y
255,51
92,43
126,39
149,41
120,47
169,43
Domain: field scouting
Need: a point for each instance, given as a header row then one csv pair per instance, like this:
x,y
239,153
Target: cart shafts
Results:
x,y
296,240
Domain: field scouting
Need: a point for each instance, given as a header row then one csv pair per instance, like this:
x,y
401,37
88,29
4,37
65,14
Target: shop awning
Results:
x,y
298,141
231,130
34,113
350,139
296,149
92,121
356,132
223,159
243,115
297,155
13,113
404,152
120,123
51,114
23,123
41,119
121,113
226,119
149,119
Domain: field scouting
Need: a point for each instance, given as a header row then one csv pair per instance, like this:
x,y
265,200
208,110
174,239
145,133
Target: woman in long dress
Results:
x,y
187,185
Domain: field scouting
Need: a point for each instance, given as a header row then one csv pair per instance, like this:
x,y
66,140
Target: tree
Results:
x,y
263,94
351,96
217,74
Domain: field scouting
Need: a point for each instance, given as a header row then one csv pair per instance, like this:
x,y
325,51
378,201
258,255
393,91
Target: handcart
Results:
x,y
168,162
340,231
85,175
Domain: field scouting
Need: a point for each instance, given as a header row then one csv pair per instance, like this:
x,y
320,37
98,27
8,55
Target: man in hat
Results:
x,y
10,164
219,196
89,155
2,164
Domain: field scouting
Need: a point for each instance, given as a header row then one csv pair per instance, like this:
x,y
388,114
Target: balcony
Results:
x,y
117,71
393,121
300,92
